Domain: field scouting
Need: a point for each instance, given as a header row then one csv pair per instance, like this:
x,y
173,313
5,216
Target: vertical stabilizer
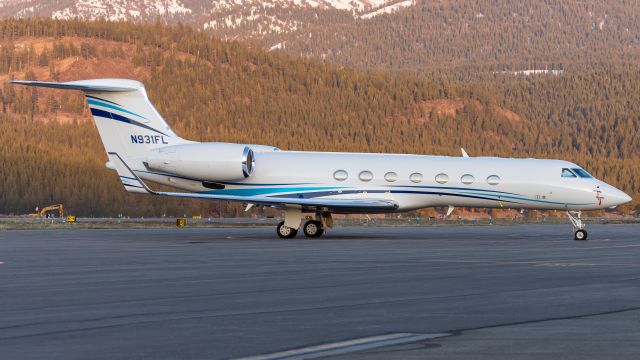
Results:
x,y
127,121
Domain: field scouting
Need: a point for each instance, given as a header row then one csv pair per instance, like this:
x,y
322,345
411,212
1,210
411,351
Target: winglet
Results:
x,y
130,180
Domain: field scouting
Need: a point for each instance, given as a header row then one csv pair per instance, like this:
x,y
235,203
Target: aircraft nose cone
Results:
x,y
618,197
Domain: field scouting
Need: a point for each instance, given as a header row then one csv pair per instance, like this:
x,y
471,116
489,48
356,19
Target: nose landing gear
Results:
x,y
579,232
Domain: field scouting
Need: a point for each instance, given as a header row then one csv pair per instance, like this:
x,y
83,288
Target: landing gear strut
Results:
x,y
579,232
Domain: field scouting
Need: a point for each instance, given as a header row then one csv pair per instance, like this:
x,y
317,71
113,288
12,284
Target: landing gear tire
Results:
x,y
580,235
313,228
286,232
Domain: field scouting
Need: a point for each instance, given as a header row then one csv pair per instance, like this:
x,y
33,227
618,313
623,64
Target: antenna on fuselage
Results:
x,y
464,153
449,210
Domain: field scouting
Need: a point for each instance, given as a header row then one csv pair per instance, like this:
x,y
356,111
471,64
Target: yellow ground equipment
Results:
x,y
181,222
48,210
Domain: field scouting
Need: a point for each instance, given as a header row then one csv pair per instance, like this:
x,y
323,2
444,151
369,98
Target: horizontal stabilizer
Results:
x,y
96,85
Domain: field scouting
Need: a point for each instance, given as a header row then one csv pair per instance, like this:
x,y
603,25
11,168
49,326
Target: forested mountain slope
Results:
x,y
480,35
210,90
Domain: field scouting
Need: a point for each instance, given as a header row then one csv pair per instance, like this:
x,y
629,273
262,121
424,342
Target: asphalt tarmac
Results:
x,y
490,292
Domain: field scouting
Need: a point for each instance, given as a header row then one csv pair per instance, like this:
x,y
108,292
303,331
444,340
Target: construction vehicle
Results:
x,y
48,211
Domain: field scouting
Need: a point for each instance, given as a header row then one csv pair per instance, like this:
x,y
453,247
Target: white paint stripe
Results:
x,y
344,347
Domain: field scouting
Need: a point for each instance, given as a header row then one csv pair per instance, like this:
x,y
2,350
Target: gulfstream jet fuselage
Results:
x,y
141,146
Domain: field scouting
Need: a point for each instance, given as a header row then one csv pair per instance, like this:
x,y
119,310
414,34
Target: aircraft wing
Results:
x,y
133,183
334,205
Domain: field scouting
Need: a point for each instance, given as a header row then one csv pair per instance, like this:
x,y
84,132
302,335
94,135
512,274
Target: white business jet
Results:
x,y
141,146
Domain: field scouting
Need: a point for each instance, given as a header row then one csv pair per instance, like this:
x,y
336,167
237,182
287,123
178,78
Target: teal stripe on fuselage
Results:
x,y
103,104
490,192
526,199
487,194
268,191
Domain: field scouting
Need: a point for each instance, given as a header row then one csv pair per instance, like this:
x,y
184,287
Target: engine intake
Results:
x,y
248,161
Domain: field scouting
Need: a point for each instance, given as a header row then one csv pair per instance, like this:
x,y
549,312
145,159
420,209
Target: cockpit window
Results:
x,y
566,173
581,173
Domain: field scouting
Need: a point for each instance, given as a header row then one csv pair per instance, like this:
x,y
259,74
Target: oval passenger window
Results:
x,y
340,175
467,179
415,177
442,178
391,176
365,175
493,180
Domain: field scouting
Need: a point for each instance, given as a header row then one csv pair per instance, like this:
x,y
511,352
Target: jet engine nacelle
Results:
x,y
206,161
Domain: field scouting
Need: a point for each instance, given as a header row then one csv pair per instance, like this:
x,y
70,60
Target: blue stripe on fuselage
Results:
x,y
313,192
451,188
533,200
298,192
359,191
110,115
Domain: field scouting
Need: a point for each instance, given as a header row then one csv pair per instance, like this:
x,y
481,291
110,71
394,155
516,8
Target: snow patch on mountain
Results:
x,y
120,10
229,19
389,9
237,19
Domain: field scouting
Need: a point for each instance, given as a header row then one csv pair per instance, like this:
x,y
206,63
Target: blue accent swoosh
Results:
x,y
298,192
110,115
99,103
97,98
321,191
535,200
359,191
452,188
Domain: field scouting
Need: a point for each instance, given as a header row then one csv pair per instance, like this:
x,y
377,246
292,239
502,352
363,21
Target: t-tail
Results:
x,y
128,124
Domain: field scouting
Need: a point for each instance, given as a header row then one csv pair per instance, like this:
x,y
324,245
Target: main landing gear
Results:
x,y
286,232
579,232
313,227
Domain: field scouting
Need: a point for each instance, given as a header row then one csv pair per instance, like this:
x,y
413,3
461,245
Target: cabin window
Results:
x,y
391,176
442,178
581,173
493,180
365,175
566,173
340,175
415,177
467,179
